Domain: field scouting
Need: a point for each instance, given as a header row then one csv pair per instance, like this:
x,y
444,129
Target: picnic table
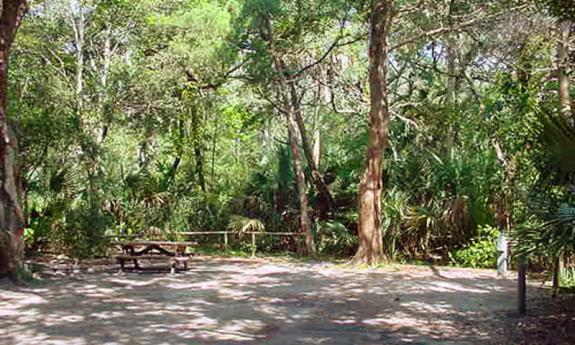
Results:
x,y
174,252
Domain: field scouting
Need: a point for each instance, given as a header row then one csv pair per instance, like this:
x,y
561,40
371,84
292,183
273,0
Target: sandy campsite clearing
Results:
x,y
257,301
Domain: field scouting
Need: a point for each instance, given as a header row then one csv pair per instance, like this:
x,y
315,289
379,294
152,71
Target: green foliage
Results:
x,y
179,124
334,238
550,238
83,233
394,212
561,8
241,224
567,278
481,252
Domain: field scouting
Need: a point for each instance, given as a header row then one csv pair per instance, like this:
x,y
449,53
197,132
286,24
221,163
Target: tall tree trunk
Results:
x,y
451,55
197,143
301,185
451,52
289,111
290,114
11,219
90,142
214,148
179,150
563,70
370,249
77,20
103,94
325,200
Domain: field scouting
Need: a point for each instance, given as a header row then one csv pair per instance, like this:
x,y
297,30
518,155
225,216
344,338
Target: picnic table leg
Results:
x,y
173,268
136,265
121,261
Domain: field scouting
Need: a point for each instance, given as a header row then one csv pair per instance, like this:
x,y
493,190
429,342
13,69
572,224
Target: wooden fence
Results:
x,y
226,234
253,235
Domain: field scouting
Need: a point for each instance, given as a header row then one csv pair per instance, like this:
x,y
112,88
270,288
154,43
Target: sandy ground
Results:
x,y
240,301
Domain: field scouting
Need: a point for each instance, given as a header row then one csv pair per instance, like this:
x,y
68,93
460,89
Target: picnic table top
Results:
x,y
157,243
151,256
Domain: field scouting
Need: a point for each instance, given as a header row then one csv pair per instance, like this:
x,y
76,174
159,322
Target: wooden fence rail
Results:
x,y
253,235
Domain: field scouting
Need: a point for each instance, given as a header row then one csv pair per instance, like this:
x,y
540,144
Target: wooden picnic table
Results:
x,y
175,252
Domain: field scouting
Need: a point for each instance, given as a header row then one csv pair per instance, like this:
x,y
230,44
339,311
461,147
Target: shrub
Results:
x,y
481,252
334,238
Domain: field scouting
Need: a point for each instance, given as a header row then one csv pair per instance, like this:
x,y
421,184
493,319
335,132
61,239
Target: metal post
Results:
x,y
502,253
253,244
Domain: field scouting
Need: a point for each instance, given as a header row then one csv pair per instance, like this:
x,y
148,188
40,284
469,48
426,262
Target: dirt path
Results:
x,y
231,301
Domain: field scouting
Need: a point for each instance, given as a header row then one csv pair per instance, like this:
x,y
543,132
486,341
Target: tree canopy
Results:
x,y
447,121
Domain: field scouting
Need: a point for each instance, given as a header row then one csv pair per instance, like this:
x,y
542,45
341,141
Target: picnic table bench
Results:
x,y
174,252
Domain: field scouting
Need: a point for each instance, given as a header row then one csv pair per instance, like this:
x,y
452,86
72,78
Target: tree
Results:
x,y
11,219
563,69
370,249
271,36
293,136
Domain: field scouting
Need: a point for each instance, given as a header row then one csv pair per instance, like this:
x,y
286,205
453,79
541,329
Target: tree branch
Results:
x,y
444,29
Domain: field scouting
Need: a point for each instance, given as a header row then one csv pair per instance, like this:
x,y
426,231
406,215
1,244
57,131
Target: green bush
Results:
x,y
481,252
334,238
82,233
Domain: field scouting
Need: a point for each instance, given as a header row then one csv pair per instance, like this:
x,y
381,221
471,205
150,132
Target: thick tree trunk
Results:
x,y
563,70
325,199
11,219
370,249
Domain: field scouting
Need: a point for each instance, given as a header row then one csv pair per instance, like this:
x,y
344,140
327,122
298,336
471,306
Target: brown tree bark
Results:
x,y
563,69
293,134
289,112
301,185
197,122
370,249
11,219
325,199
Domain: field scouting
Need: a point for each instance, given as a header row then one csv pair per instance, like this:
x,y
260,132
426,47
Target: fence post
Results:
x,y
253,244
502,253
226,241
522,286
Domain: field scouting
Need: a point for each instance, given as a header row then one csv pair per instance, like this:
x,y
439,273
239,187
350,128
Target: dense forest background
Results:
x,y
206,115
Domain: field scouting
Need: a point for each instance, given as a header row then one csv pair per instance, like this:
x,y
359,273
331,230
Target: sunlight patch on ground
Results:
x,y
228,301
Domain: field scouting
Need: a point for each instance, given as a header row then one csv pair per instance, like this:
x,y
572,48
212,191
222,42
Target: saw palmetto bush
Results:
x,y
437,200
549,229
550,238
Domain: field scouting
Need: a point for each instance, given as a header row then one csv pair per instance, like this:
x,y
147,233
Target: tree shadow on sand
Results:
x,y
252,302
